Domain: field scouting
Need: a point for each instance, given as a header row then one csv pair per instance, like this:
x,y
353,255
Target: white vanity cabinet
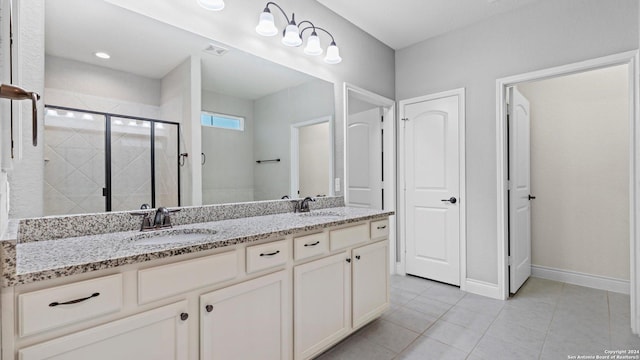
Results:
x,y
321,303
250,320
336,295
159,334
370,284
281,298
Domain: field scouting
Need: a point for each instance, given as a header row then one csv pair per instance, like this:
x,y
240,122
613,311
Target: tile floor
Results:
x,y
545,320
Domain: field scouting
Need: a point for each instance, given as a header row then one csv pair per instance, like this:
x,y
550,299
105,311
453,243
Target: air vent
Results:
x,y
215,49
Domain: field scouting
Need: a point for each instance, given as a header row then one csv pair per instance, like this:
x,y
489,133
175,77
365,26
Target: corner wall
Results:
x,y
545,34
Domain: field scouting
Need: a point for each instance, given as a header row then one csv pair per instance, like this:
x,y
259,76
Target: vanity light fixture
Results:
x,y
213,5
292,35
103,55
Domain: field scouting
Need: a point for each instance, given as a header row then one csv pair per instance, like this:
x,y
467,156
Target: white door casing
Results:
x,y
519,189
364,153
432,144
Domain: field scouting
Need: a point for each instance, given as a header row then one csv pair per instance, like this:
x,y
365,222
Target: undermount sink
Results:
x,y
322,213
166,236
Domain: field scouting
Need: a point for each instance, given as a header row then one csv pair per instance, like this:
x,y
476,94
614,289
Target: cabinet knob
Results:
x,y
357,257
348,260
209,308
184,316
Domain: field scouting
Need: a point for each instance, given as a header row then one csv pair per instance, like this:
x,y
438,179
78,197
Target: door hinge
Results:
x,y
508,184
381,118
405,119
509,261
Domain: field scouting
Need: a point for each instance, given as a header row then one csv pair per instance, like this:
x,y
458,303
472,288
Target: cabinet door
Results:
x,y
157,334
370,282
251,320
321,304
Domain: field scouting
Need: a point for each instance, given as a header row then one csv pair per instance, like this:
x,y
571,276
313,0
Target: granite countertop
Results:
x,y
42,260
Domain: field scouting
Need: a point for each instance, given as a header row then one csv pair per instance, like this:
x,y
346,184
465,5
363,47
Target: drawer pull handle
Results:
x,y
55,303
382,227
312,244
271,254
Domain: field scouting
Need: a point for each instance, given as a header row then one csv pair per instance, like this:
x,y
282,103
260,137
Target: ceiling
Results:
x,y
77,29
401,23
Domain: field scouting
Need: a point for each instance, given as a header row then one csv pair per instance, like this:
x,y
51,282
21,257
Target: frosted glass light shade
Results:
x,y
313,45
213,5
333,54
266,25
291,36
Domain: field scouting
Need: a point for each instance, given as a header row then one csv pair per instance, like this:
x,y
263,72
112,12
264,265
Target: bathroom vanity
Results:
x,y
278,286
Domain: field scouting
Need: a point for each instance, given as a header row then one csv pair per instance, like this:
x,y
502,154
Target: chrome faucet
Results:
x,y
161,219
303,205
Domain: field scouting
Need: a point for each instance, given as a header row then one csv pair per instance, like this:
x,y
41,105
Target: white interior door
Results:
x,y
519,190
364,166
432,188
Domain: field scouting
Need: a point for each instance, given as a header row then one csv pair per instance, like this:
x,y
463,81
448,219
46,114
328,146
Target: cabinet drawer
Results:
x,y
260,257
310,245
163,281
62,305
380,229
342,238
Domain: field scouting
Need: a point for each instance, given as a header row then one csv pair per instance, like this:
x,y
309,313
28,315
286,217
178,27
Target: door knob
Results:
x,y
531,197
451,200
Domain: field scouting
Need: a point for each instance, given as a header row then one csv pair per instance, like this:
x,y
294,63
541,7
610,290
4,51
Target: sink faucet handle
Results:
x,y
146,219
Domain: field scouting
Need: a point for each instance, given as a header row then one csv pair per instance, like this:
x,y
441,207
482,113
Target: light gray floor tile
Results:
x,y
490,347
411,319
357,348
470,319
541,290
428,348
481,303
619,304
555,348
579,329
433,308
454,335
443,293
401,297
391,336
517,333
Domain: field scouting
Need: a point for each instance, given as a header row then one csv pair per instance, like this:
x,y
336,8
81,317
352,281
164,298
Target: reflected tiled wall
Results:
x,y
74,171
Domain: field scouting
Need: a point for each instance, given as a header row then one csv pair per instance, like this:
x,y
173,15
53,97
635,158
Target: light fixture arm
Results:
x,y
333,41
266,9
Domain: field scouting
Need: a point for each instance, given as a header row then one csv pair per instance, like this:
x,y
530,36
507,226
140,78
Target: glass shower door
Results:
x,y
166,180
130,143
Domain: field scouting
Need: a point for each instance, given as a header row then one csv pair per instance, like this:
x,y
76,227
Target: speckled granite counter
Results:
x,y
25,262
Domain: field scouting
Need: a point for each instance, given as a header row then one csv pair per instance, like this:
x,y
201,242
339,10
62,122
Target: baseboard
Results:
x,y
482,288
582,279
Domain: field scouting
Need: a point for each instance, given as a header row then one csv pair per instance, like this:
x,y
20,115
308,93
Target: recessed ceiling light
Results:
x,y
103,55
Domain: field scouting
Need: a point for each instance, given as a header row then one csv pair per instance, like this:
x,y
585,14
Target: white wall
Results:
x,y
274,115
85,86
227,175
180,96
545,34
580,172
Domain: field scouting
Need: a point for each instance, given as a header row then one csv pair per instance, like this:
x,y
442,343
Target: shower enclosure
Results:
x,y
97,162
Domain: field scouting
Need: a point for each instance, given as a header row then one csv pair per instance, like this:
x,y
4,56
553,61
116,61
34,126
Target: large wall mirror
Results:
x,y
168,105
